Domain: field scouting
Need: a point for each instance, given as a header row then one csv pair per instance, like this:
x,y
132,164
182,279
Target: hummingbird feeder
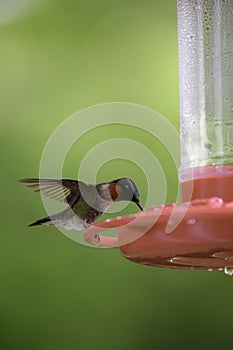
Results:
x,y
198,233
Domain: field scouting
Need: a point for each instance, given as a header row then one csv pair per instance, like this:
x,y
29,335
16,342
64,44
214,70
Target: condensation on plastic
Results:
x,y
205,35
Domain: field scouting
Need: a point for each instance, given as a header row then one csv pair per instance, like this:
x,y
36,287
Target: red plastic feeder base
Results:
x,y
197,234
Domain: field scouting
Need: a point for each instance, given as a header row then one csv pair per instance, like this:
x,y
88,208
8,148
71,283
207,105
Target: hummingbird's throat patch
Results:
x,y
113,191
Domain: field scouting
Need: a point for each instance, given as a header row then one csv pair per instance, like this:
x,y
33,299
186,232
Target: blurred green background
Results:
x,y
58,57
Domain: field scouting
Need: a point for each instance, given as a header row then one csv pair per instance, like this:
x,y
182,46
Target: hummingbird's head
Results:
x,y
124,189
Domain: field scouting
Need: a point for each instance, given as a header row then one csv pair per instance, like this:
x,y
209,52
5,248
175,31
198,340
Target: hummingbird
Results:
x,y
86,202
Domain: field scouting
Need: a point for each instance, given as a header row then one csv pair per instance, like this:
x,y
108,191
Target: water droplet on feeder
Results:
x,y
191,221
228,271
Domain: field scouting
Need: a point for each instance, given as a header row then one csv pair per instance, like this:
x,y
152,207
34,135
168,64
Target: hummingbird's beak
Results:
x,y
139,205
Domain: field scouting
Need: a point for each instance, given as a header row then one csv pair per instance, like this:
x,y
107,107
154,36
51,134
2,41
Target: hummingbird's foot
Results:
x,y
86,224
93,239
97,237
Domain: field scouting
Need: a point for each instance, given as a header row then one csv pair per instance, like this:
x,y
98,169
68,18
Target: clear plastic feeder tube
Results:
x,y
205,39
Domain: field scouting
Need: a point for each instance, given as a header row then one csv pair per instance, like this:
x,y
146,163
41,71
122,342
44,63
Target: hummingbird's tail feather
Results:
x,y
40,222
66,219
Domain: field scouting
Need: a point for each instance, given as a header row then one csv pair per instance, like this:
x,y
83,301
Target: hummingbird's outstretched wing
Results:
x,y
60,190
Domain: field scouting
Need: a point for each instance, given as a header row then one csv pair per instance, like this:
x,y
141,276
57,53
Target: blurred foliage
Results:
x,y
58,57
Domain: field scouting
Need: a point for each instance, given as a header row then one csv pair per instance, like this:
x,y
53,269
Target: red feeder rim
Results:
x,y
197,234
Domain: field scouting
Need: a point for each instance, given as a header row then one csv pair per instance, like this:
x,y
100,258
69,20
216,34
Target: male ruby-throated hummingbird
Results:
x,y
86,202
